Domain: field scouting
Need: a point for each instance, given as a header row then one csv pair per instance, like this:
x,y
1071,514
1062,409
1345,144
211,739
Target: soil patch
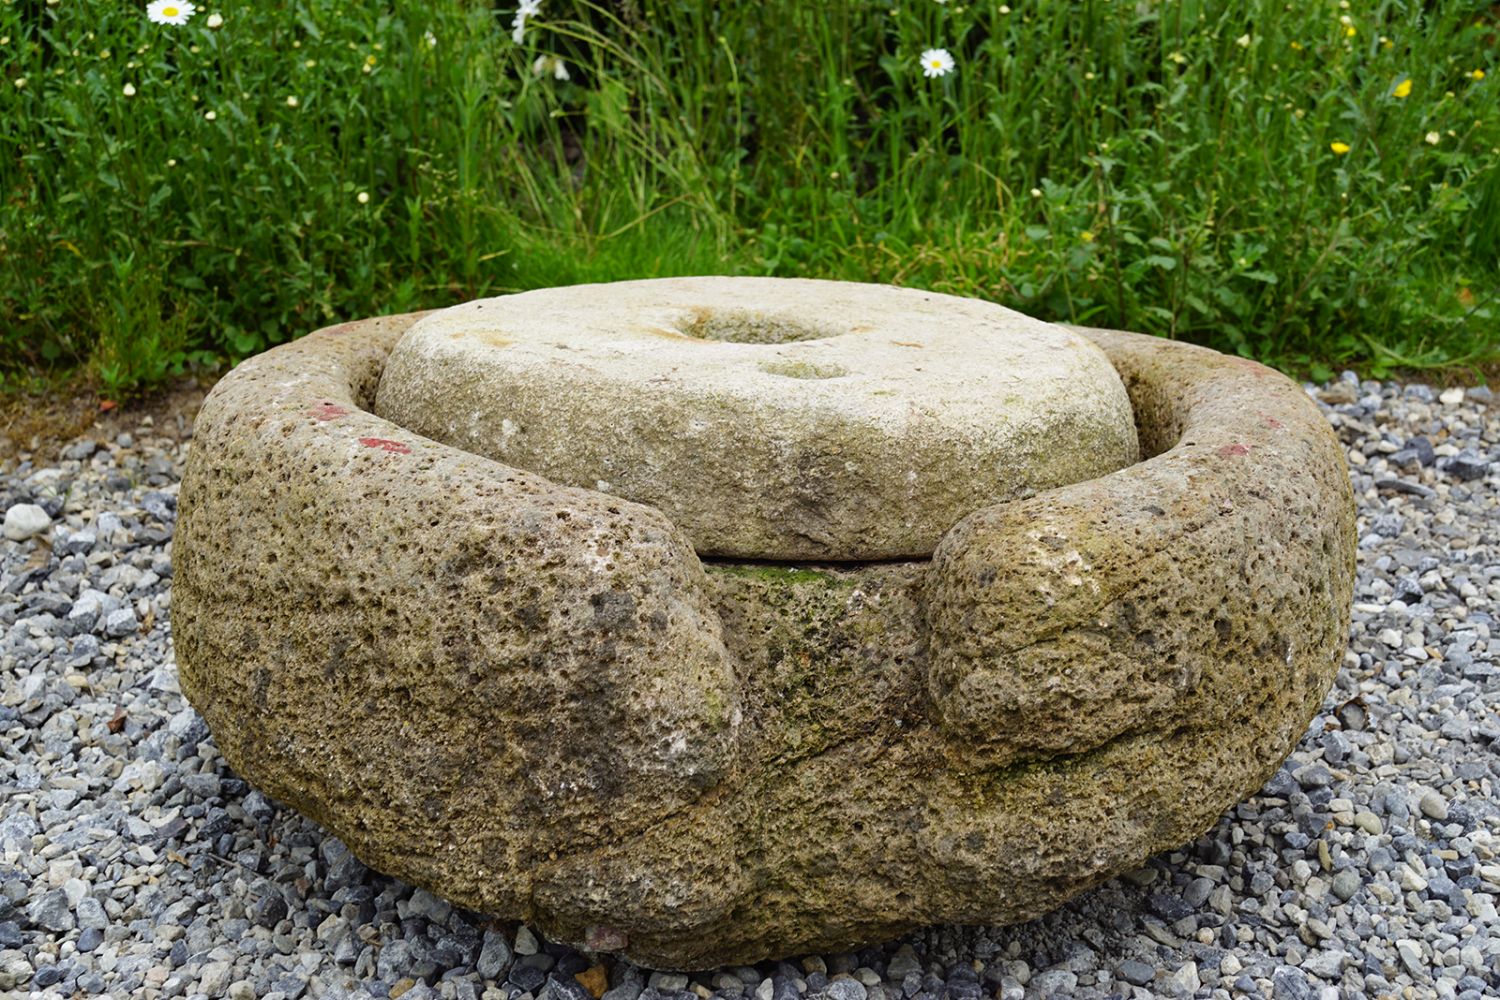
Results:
x,y
41,424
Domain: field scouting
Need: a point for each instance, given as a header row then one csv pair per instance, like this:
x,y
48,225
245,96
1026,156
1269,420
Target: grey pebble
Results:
x,y
1346,884
52,912
1053,981
1289,983
495,956
846,989
120,622
23,520
1135,973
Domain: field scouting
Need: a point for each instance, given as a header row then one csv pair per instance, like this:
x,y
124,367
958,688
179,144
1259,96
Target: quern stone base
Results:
x,y
538,702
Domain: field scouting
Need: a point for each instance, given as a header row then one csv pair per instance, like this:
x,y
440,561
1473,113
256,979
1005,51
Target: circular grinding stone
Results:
x,y
769,418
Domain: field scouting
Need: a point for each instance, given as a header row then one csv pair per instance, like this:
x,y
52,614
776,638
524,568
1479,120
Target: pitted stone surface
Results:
x,y
535,701
769,418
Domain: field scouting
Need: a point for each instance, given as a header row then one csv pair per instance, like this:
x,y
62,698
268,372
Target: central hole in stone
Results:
x,y
746,326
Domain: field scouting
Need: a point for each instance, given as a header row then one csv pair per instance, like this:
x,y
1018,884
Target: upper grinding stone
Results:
x,y
769,418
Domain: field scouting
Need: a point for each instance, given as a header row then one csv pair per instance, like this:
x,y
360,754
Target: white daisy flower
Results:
x,y
528,8
170,11
1433,138
551,64
128,90
215,22
363,197
936,62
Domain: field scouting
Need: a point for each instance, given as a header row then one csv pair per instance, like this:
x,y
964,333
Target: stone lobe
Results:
x,y
536,701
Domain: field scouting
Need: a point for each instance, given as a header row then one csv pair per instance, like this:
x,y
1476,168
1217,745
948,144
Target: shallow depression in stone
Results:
x,y
751,326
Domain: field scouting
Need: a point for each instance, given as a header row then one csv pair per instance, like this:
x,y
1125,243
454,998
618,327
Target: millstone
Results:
x,y
538,701
769,418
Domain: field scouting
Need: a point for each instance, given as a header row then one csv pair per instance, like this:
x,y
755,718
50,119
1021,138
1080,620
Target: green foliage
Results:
x,y
1160,167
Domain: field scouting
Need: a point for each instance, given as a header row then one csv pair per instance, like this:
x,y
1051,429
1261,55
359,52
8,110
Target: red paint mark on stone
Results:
x,y
394,447
327,411
1272,422
603,938
1232,450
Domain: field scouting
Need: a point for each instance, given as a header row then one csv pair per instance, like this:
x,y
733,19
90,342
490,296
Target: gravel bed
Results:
x,y
134,863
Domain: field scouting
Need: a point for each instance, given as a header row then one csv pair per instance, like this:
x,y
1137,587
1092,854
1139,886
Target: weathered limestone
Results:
x,y
769,418
537,701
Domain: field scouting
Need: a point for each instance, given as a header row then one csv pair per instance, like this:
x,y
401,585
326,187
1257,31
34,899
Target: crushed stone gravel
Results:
x,y
134,863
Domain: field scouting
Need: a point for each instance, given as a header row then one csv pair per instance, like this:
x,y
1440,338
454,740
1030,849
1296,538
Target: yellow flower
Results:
x,y
1349,30
1340,148
1403,89
1478,74
1086,236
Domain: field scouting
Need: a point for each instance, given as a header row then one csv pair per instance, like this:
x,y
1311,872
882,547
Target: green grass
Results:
x,y
1164,167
